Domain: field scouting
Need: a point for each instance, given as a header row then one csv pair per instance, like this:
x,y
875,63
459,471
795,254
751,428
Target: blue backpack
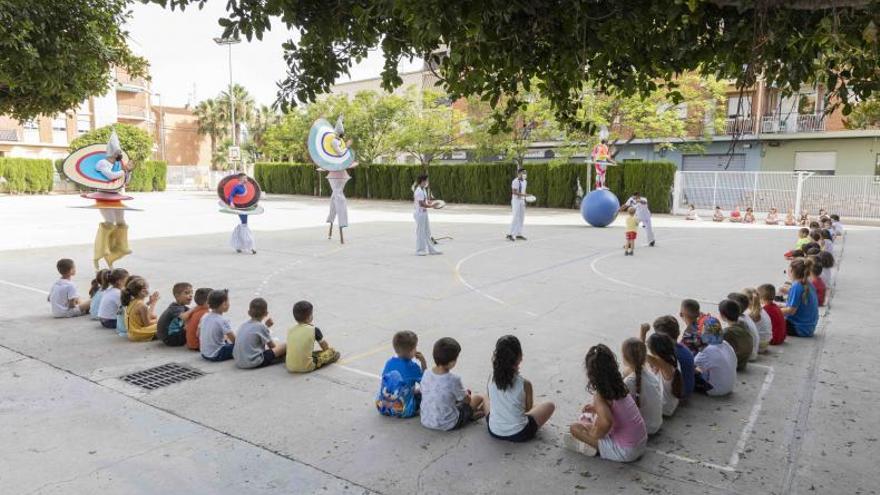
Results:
x,y
396,398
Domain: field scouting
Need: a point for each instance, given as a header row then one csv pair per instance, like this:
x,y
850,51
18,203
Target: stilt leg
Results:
x,y
341,238
330,232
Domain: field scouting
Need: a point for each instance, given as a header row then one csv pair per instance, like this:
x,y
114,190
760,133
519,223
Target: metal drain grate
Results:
x,y
161,376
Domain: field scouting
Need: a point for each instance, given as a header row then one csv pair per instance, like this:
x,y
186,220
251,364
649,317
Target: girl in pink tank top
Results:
x,y
612,423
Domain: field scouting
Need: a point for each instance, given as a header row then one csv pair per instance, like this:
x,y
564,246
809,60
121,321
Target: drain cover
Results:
x,y
161,376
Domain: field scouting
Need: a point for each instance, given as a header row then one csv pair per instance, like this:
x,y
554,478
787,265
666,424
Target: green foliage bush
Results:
x,y
27,175
555,185
148,176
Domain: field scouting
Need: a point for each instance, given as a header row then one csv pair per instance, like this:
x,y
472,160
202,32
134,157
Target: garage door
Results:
x,y
713,163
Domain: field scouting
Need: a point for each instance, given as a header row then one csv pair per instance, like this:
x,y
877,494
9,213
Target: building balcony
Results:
x,y
8,134
777,124
739,125
124,82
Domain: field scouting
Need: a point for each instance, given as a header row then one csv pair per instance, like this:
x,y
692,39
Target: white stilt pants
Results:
x,y
646,220
423,233
113,215
519,216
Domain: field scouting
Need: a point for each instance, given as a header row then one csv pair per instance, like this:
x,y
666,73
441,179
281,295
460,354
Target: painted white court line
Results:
x,y
461,279
753,415
25,287
356,371
682,458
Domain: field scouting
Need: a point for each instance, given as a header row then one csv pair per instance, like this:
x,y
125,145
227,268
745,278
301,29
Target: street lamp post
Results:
x,y
229,42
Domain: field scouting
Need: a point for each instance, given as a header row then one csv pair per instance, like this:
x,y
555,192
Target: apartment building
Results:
x,y
130,101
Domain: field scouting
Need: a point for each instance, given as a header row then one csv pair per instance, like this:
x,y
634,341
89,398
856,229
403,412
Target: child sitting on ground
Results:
x,y
301,339
802,307
815,268
140,316
772,217
216,338
513,415
64,301
804,220
750,215
170,328
735,215
643,385
836,225
718,216
668,326
692,213
111,300
693,320
446,404
611,424
716,363
662,361
632,228
195,318
743,301
254,347
399,395
789,219
99,286
803,238
735,333
760,317
767,294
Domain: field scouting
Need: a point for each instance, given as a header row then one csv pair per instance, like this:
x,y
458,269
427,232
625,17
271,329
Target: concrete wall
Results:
x,y
855,156
183,144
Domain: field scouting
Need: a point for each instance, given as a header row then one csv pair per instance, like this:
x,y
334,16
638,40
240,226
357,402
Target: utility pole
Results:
x,y
229,42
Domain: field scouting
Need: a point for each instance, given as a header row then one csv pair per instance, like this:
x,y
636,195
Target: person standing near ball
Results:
x,y
643,214
518,204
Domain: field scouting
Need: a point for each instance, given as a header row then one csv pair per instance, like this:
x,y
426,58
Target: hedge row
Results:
x,y
148,176
26,175
555,185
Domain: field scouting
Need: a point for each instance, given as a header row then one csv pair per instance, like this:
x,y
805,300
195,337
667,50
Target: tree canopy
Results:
x,y
621,46
54,55
135,141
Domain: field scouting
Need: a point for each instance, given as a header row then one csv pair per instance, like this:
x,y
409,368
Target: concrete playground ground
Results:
x,y
803,419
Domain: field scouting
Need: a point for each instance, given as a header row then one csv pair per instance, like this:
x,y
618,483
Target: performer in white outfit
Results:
x,y
421,203
518,204
643,214
338,202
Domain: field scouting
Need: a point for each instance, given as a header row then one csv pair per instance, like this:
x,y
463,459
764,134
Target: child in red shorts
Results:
x,y
632,227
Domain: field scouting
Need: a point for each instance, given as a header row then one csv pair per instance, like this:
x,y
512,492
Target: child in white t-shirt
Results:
x,y
643,384
446,404
64,300
715,364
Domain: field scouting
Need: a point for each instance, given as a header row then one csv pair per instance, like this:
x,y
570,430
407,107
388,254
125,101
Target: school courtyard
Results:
x,y
803,418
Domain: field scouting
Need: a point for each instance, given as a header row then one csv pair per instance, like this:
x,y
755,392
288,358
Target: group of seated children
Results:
x,y
829,222
123,302
660,371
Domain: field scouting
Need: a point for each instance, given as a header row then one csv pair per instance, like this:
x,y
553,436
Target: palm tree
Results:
x,y
212,123
244,107
264,117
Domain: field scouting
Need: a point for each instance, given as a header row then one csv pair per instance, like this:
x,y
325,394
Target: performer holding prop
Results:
x,y
518,201
421,203
239,195
601,157
106,169
331,152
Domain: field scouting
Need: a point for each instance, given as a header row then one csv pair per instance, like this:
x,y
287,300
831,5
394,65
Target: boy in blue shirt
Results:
x,y
398,395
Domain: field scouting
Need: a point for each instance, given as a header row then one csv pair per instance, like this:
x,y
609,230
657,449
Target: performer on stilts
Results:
x,y
107,170
239,195
601,159
331,152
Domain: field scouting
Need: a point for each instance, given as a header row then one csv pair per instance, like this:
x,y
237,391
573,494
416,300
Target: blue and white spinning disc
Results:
x,y
328,151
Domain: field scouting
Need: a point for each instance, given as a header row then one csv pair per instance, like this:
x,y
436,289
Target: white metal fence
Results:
x,y
850,196
193,178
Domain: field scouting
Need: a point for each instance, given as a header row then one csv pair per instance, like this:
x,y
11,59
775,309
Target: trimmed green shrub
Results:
x,y
555,185
27,175
148,176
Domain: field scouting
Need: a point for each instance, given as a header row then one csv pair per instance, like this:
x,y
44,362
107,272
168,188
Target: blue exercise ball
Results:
x,y
600,208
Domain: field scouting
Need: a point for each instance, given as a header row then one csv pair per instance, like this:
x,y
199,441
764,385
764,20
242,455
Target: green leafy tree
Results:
x,y
54,55
136,142
866,114
244,106
623,47
370,120
287,139
428,125
264,117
